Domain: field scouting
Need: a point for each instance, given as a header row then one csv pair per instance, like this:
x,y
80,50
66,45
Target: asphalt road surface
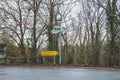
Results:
x,y
56,73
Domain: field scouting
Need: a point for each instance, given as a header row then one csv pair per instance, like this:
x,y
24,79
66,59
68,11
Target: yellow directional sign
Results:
x,y
49,53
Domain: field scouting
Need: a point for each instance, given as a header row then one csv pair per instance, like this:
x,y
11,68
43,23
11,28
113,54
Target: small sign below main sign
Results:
x,y
59,31
56,27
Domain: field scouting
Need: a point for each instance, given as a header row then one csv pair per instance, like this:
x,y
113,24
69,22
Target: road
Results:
x,y
56,73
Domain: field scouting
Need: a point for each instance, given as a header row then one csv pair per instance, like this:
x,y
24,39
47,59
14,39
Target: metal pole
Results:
x,y
54,59
59,48
43,60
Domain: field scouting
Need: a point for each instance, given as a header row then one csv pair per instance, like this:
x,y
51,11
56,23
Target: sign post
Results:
x,y
57,30
59,47
54,60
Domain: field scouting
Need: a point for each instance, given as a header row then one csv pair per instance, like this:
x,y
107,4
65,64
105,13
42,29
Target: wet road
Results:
x,y
34,73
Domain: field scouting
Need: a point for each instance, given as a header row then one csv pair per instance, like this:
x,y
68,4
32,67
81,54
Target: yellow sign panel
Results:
x,y
49,53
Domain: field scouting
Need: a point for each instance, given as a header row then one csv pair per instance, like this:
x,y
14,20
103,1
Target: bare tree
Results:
x,y
112,18
15,18
92,16
38,27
